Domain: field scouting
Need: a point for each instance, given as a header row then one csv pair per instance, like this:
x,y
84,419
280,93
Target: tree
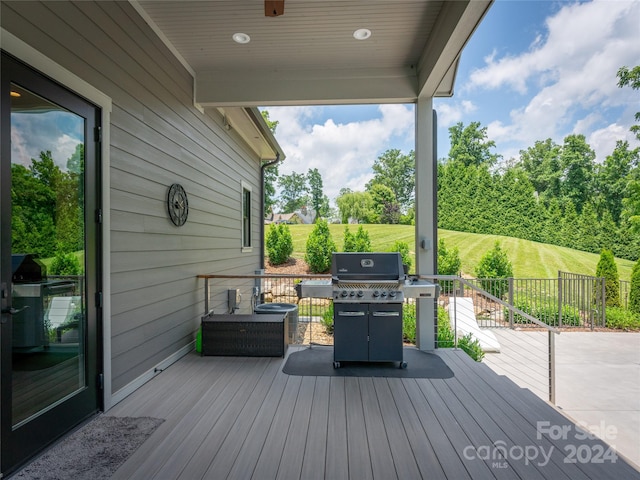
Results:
x,y
355,205
631,78
396,170
319,201
294,191
35,210
470,146
542,164
577,161
631,205
384,204
271,173
449,263
607,268
613,176
319,248
493,270
634,291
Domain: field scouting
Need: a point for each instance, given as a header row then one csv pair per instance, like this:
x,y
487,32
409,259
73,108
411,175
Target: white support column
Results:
x,y
426,219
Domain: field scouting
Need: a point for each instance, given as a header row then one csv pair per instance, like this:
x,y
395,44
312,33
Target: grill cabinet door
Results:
x,y
351,331
385,332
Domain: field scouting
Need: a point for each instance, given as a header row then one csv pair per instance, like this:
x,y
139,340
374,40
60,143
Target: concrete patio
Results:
x,y
597,379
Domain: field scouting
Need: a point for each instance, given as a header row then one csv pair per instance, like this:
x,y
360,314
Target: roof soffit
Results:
x,y
308,56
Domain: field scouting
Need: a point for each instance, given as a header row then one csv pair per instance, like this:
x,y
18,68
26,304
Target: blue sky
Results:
x,y
532,70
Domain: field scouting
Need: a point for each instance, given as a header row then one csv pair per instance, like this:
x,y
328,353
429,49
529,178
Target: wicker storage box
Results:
x,y
245,335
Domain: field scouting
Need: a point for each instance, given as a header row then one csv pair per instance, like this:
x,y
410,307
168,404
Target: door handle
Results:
x,y
13,311
386,314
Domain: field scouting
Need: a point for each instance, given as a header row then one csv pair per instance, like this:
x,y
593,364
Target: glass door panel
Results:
x,y
47,253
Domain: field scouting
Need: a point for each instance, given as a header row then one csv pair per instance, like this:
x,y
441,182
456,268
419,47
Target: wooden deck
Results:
x,y
243,418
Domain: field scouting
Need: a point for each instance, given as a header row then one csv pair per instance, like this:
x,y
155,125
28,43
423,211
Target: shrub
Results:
x,y
65,264
320,248
360,242
349,242
546,314
607,268
634,291
363,242
327,319
409,322
446,338
495,265
279,243
403,248
471,346
622,319
449,263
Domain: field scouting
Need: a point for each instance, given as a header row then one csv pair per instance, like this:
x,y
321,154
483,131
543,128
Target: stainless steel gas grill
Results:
x,y
367,298
368,292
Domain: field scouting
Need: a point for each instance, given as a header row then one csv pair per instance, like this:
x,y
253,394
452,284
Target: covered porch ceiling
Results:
x,y
309,56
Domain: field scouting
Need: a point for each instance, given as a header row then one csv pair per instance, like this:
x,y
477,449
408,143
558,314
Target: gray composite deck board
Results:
x,y
297,436
313,463
240,418
488,407
399,442
382,461
426,458
337,463
357,442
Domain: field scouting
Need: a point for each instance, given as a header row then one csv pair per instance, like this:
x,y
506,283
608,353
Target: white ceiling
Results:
x,y
309,56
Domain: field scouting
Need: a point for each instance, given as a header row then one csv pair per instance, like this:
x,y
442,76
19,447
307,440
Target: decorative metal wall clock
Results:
x,y
177,204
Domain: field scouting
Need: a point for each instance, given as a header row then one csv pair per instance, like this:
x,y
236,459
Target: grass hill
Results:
x,y
529,259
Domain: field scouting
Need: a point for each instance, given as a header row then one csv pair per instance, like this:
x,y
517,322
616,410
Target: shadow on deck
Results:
x,y
238,417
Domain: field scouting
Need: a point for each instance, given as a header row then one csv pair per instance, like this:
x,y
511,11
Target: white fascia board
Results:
x,y
249,124
455,25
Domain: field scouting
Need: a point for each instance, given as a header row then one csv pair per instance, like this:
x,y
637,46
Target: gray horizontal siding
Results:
x,y
157,138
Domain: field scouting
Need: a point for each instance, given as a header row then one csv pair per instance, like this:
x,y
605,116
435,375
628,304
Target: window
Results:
x,y
246,218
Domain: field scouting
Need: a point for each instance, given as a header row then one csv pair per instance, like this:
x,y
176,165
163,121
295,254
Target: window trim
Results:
x,y
245,223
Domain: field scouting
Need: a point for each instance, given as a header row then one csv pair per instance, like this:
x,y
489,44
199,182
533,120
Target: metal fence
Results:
x,y
535,307
568,301
259,289
625,290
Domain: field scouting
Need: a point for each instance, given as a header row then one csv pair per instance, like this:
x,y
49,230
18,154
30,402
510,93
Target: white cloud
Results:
x,y
64,149
603,141
343,153
451,113
573,70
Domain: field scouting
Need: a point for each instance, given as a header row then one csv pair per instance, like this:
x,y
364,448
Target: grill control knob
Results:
x,y
376,293
392,293
360,294
384,294
344,293
352,293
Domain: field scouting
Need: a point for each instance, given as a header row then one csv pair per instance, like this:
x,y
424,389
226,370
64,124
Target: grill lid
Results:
x,y
363,266
25,268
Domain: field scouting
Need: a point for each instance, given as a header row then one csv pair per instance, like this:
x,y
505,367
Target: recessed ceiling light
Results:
x,y
362,34
15,94
241,38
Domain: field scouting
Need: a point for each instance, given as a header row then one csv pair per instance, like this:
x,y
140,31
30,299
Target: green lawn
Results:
x,y
529,259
